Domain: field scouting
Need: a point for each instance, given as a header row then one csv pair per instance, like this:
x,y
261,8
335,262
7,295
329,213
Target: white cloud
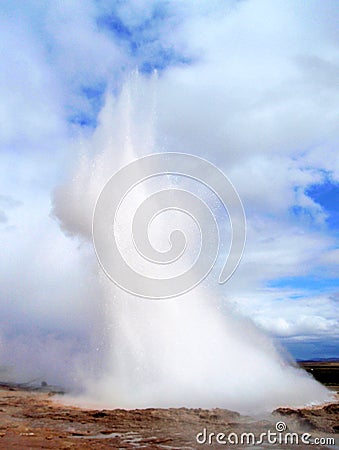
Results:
x,y
261,102
292,313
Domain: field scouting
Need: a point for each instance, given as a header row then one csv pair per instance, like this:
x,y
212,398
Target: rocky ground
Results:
x,y
33,419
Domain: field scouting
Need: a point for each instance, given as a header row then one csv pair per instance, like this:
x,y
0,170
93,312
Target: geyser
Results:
x,y
176,352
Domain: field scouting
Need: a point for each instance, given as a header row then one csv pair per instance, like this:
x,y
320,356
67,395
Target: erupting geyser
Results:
x,y
175,352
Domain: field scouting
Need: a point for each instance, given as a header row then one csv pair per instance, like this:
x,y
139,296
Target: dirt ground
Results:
x,y
34,420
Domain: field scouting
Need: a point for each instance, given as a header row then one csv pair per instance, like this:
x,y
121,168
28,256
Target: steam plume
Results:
x,y
181,352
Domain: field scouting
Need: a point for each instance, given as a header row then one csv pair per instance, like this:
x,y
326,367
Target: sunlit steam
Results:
x,y
176,352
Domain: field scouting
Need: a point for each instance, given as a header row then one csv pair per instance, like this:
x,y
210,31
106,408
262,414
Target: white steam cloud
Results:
x,y
179,352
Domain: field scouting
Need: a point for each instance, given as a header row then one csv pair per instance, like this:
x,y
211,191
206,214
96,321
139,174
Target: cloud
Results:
x,y
307,317
3,217
9,202
262,105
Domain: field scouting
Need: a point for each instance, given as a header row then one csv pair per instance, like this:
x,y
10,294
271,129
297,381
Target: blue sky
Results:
x,y
257,97
327,195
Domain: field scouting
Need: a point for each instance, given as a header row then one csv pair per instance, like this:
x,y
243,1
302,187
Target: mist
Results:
x,y
188,351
